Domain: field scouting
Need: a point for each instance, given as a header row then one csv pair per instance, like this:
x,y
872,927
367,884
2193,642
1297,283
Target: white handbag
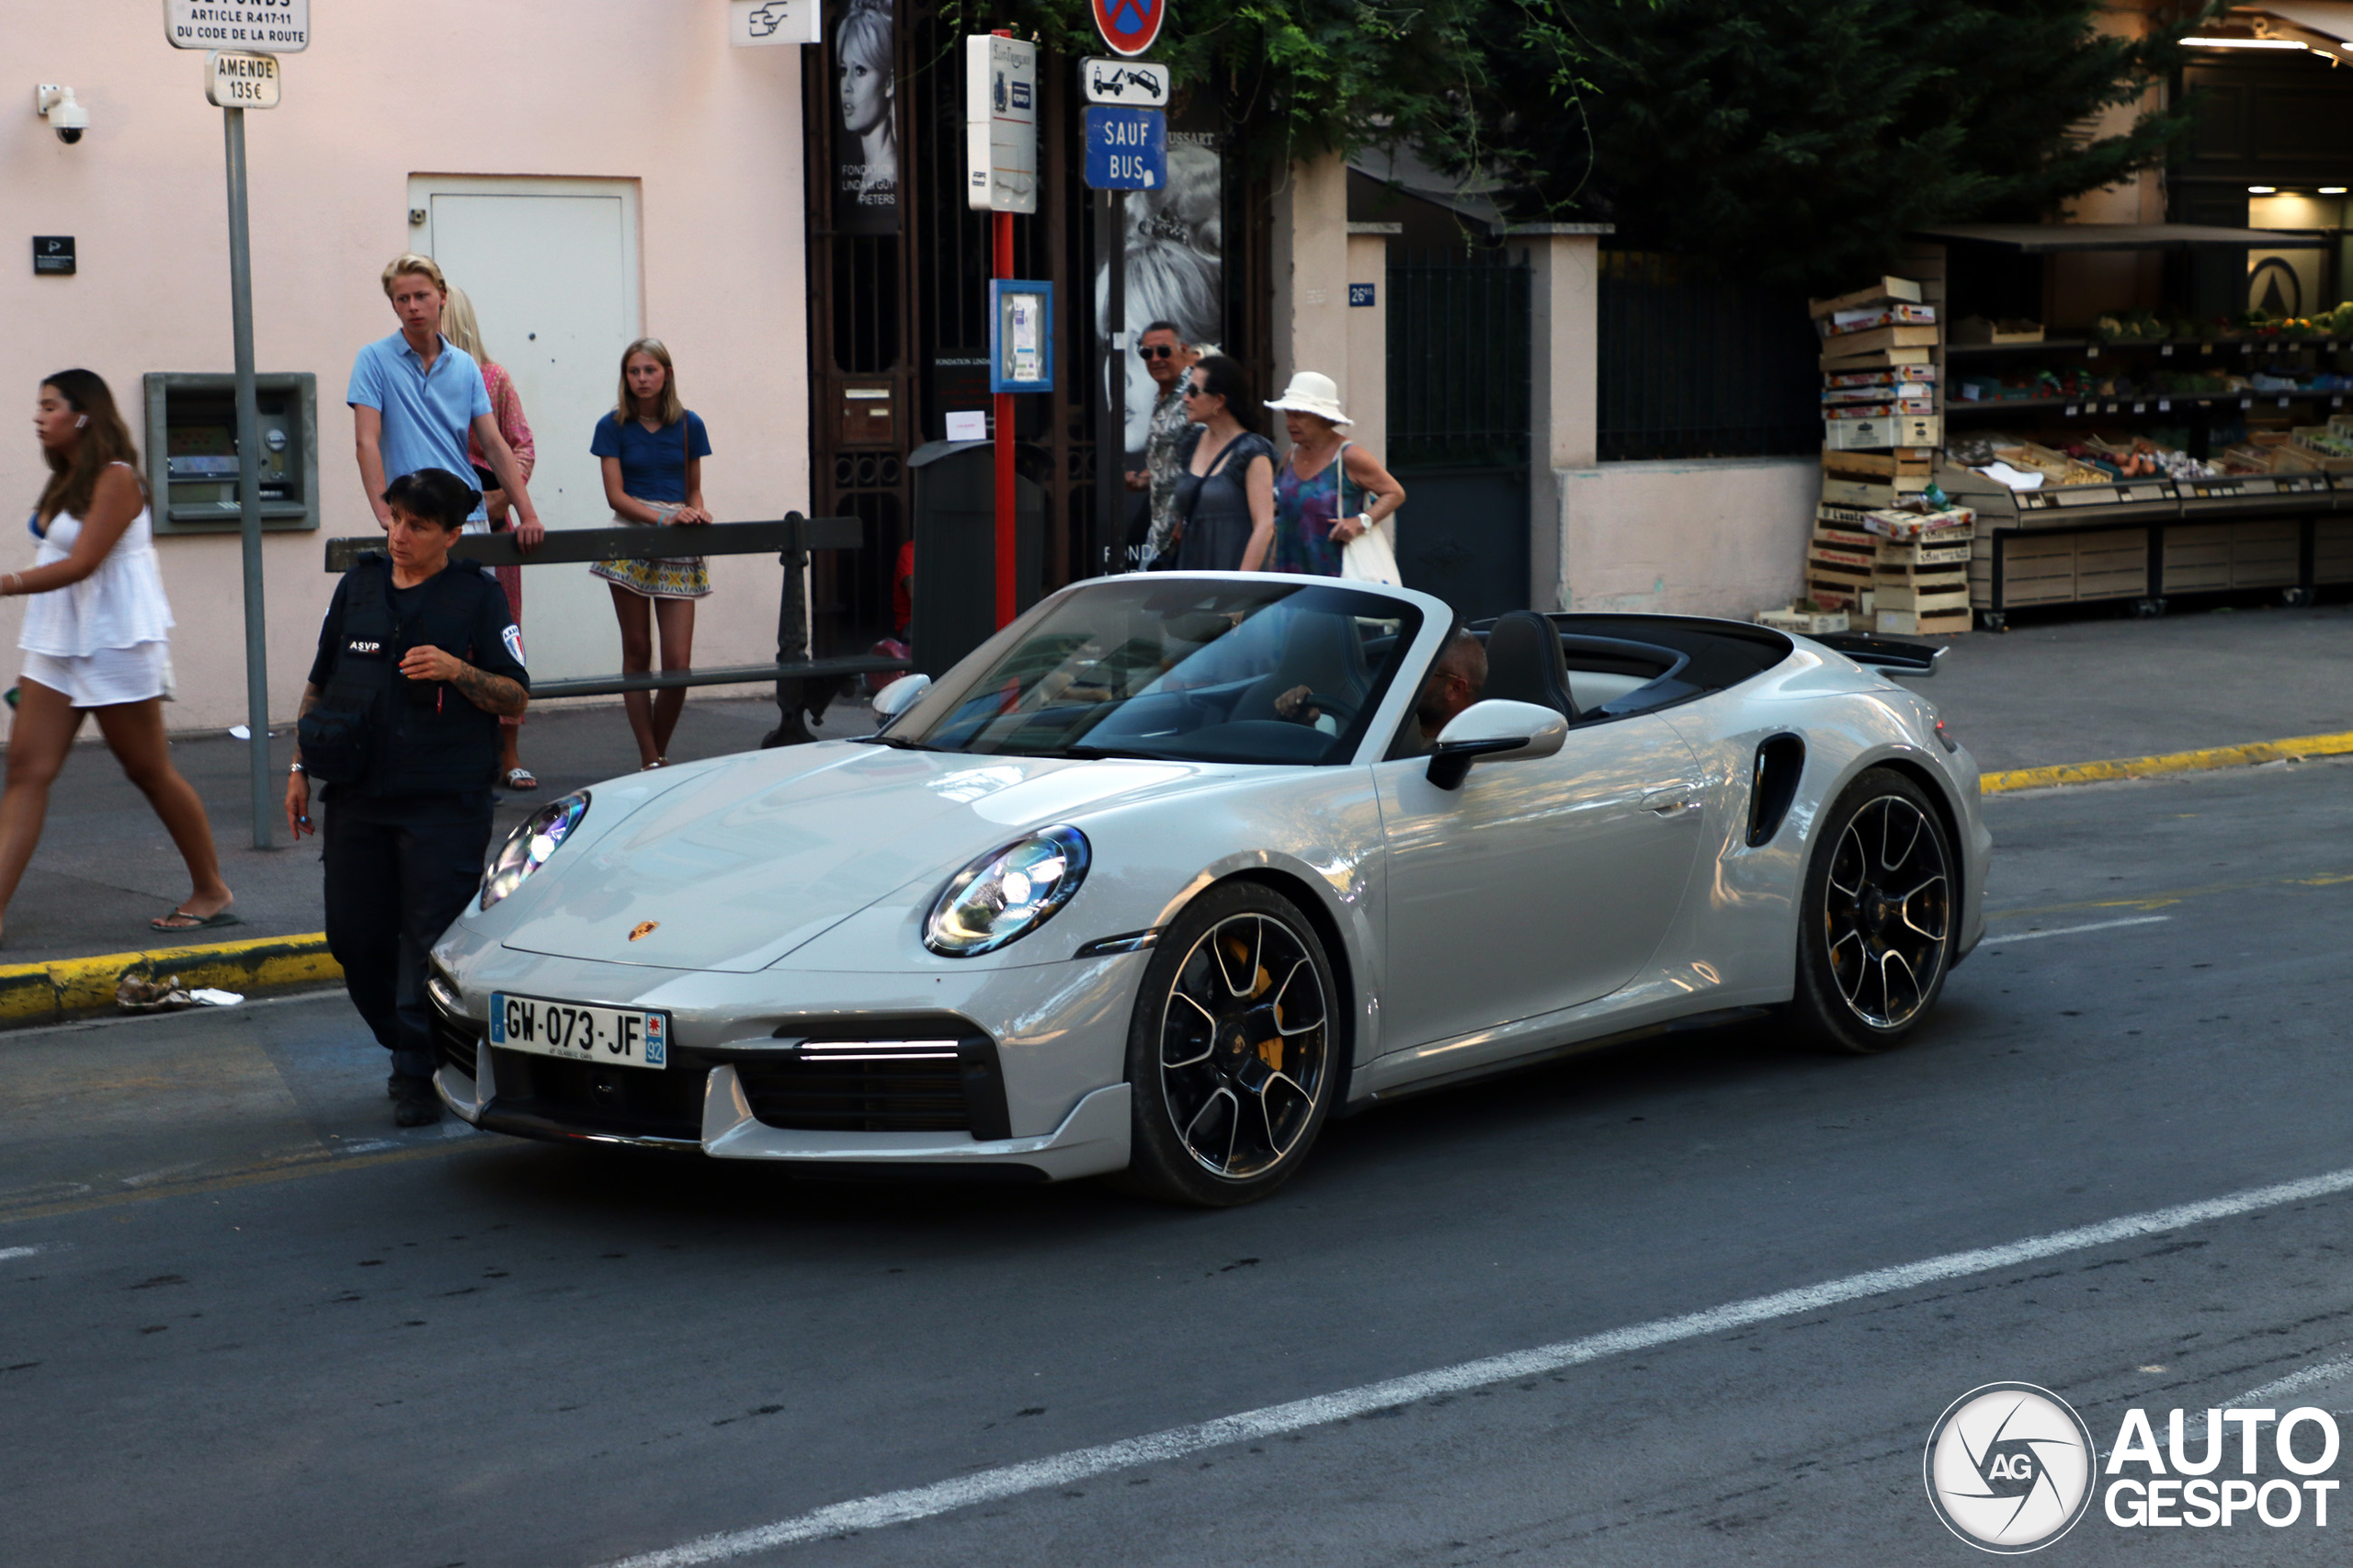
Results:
x,y
1365,558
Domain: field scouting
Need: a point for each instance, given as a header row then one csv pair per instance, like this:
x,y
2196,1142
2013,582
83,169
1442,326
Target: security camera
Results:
x,y
68,119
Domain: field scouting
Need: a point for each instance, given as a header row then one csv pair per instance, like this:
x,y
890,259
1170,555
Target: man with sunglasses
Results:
x,y
1167,356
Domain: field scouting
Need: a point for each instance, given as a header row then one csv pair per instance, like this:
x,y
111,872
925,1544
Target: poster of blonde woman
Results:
x,y
1176,245
866,142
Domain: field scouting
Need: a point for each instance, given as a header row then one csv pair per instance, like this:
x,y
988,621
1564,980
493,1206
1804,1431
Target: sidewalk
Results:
x,y
2073,691
105,867
2085,690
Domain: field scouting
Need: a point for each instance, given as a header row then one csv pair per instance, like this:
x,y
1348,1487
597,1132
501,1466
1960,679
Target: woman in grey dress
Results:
x,y
1225,497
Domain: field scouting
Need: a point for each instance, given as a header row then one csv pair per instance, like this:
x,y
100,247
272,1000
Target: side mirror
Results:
x,y
1494,732
899,695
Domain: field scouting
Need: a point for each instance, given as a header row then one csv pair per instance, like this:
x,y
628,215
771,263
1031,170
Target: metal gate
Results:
x,y
1459,409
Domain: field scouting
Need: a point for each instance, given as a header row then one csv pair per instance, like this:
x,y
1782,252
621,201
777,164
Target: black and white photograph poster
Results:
x,y
1176,245
865,139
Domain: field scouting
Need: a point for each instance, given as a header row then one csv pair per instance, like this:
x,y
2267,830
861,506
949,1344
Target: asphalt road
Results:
x,y
242,1321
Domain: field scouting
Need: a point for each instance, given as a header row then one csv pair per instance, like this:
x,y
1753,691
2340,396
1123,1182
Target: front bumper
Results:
x,y
1034,1089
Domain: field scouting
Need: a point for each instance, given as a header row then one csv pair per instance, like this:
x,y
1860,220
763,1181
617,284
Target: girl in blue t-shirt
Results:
x,y
652,449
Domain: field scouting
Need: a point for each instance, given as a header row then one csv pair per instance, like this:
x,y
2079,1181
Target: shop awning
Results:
x,y
2041,237
2324,26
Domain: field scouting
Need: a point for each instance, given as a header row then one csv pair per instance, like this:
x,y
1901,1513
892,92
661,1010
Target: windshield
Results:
x,y
1202,671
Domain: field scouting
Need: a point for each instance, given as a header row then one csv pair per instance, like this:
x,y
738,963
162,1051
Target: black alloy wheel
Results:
x,y
1232,1052
1877,924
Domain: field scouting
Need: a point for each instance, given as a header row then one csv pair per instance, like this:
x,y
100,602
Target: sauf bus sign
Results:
x,y
262,27
1129,25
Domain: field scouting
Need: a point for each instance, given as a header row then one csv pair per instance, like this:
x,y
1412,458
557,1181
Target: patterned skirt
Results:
x,y
680,577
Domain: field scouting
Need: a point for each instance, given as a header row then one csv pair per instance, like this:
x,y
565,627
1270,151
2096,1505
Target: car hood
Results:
x,y
735,868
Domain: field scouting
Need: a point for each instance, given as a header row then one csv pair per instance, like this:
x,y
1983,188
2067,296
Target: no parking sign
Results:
x,y
1129,25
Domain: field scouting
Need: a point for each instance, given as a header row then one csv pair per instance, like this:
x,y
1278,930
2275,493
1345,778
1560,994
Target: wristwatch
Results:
x,y
298,768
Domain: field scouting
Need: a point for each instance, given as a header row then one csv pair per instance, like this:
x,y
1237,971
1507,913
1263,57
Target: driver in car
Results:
x,y
1454,684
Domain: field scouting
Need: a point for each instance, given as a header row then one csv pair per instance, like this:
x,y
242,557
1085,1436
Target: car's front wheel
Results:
x,y
1232,1052
1875,931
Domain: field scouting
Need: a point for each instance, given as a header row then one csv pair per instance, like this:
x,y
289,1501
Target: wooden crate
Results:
x,y
2333,551
2198,558
1904,430
1953,554
1923,598
2265,555
2112,565
1922,623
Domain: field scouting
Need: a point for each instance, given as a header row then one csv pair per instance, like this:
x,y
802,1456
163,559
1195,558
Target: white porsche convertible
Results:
x,y
1170,871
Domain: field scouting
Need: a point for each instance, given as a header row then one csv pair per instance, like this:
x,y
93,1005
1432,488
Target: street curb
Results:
x,y
62,988
2213,757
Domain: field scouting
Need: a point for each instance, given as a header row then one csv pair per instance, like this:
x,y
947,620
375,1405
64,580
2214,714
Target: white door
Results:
x,y
1537,885
551,267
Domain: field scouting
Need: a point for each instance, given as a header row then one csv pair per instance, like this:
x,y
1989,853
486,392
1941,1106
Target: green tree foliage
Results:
x,y
1291,77
1799,139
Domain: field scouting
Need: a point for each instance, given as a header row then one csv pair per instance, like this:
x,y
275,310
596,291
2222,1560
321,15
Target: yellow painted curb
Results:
x,y
2254,752
39,992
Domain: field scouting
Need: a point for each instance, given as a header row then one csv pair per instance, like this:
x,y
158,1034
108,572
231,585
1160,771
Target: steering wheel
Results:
x,y
1339,708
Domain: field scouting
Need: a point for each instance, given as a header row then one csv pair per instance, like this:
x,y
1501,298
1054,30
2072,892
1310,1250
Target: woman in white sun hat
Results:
x,y
1331,490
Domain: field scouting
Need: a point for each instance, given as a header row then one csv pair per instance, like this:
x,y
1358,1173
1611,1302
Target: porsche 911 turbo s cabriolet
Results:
x,y
1168,872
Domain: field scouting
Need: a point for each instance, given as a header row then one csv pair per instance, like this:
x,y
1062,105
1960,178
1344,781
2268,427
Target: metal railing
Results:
x,y
792,536
1697,364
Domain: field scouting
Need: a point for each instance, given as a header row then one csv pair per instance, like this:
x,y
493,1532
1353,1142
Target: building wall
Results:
x,y
647,93
1721,535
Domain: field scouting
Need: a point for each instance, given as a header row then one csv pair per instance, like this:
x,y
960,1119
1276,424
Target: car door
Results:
x,y
1539,884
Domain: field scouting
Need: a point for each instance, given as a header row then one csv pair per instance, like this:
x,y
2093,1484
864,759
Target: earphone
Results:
x,y
82,422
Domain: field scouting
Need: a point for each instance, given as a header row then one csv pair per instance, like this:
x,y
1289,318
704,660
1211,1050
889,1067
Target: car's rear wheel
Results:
x,y
1233,1050
1876,929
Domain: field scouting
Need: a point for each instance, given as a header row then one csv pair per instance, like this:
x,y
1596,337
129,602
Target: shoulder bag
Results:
x,y
1365,558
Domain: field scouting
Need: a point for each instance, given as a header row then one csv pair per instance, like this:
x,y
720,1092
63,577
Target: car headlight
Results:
x,y
1007,893
528,847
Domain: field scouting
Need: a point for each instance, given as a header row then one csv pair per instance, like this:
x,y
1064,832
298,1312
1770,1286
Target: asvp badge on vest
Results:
x,y
1129,27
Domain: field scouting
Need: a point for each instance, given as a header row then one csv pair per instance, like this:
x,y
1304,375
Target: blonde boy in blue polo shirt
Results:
x,y
414,397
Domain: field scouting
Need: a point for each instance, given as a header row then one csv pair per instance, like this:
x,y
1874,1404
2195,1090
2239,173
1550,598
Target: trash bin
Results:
x,y
955,518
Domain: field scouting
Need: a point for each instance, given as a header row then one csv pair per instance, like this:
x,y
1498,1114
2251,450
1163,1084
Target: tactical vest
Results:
x,y
424,737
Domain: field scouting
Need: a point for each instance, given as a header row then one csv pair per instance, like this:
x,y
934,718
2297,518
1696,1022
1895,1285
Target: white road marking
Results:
x,y
10,1254
2193,1428
1080,1464
2325,1372
1994,941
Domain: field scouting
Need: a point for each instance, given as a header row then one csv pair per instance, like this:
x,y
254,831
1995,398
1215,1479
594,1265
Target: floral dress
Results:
x,y
1305,510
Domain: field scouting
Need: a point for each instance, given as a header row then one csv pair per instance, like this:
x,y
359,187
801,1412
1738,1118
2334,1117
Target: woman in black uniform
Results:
x,y
418,660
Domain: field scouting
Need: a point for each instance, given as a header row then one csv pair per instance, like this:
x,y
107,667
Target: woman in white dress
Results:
x,y
96,641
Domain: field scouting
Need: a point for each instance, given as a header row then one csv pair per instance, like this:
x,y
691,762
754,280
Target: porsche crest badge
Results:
x,y
642,929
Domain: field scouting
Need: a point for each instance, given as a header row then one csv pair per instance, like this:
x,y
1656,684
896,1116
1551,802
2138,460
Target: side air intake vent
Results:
x,y
1780,759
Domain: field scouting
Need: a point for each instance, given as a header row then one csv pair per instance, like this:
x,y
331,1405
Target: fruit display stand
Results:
x,y
2177,458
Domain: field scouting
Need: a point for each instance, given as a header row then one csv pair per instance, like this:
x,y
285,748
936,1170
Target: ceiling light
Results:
x,y
2263,190
2241,43
2332,190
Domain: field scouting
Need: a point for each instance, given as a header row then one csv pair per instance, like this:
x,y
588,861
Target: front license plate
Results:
x,y
614,1037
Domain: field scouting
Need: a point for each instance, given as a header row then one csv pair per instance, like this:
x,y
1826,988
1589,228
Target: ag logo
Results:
x,y
2009,1468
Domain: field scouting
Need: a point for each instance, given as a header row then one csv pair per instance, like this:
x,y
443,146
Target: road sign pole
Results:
x,y
1001,225
241,315
1112,444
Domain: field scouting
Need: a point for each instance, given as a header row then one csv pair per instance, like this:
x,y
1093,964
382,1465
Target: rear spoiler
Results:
x,y
1888,655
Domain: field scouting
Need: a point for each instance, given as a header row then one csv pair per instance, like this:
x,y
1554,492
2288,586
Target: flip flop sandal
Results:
x,y
193,921
522,778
